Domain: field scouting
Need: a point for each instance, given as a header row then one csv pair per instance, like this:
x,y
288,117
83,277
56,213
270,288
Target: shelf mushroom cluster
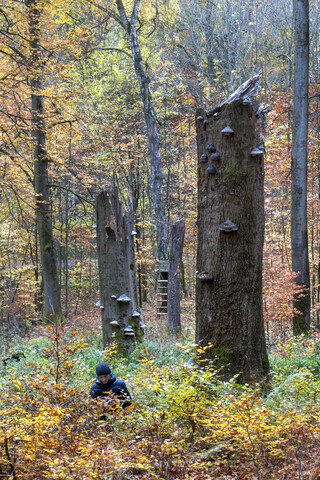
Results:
x,y
128,330
227,226
215,156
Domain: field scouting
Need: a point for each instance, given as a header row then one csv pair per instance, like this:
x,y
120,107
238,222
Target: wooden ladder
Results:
x,y
162,297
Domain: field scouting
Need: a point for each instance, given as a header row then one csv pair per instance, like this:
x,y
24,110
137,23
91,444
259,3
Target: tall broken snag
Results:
x,y
230,236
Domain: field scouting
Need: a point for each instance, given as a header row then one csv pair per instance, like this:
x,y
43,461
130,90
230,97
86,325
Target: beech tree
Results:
x,y
130,28
24,130
52,307
299,224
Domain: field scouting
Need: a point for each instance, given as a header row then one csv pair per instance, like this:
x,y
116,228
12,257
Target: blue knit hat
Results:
x,y
103,369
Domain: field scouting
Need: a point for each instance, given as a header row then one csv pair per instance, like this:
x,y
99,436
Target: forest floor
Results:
x,y
184,424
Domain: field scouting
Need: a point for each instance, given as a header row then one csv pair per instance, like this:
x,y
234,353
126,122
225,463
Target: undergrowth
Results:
x,y
185,422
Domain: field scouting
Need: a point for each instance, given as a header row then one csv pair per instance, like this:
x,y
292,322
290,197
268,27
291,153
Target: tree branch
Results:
x,y
112,49
123,17
80,197
13,473
134,15
111,13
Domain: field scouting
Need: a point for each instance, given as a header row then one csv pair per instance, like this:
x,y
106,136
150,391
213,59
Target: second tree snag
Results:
x,y
117,272
229,314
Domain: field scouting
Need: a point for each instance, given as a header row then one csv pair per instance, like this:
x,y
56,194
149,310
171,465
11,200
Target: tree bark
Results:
x,y
175,260
117,271
52,303
130,28
229,314
299,222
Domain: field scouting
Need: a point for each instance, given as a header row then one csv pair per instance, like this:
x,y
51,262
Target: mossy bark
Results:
x,y
229,311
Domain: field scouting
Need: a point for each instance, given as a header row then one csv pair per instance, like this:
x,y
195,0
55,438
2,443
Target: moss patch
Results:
x,y
232,172
223,354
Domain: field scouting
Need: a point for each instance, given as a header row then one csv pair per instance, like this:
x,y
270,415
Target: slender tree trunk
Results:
x,y
51,286
130,28
229,312
299,224
175,260
66,255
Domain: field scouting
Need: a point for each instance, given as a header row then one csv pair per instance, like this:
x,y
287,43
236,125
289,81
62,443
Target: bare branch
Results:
x,y
111,49
123,17
134,15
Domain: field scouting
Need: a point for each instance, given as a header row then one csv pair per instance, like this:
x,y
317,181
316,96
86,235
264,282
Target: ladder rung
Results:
x,y
162,296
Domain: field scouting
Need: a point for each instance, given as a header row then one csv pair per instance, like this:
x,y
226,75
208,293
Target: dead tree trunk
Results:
x,y
175,259
230,235
117,272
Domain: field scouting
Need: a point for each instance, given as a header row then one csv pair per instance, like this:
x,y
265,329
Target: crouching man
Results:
x,y
110,389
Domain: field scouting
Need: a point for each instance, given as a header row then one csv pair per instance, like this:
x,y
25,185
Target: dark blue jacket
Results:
x,y
117,387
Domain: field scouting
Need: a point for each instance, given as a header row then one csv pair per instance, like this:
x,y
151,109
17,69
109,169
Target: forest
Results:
x,y
106,101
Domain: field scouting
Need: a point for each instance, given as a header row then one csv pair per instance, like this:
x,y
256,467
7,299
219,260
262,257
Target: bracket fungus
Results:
x,y
123,299
204,276
255,152
216,156
227,131
136,314
133,233
114,323
211,169
128,329
211,148
200,118
203,158
228,226
113,296
98,304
